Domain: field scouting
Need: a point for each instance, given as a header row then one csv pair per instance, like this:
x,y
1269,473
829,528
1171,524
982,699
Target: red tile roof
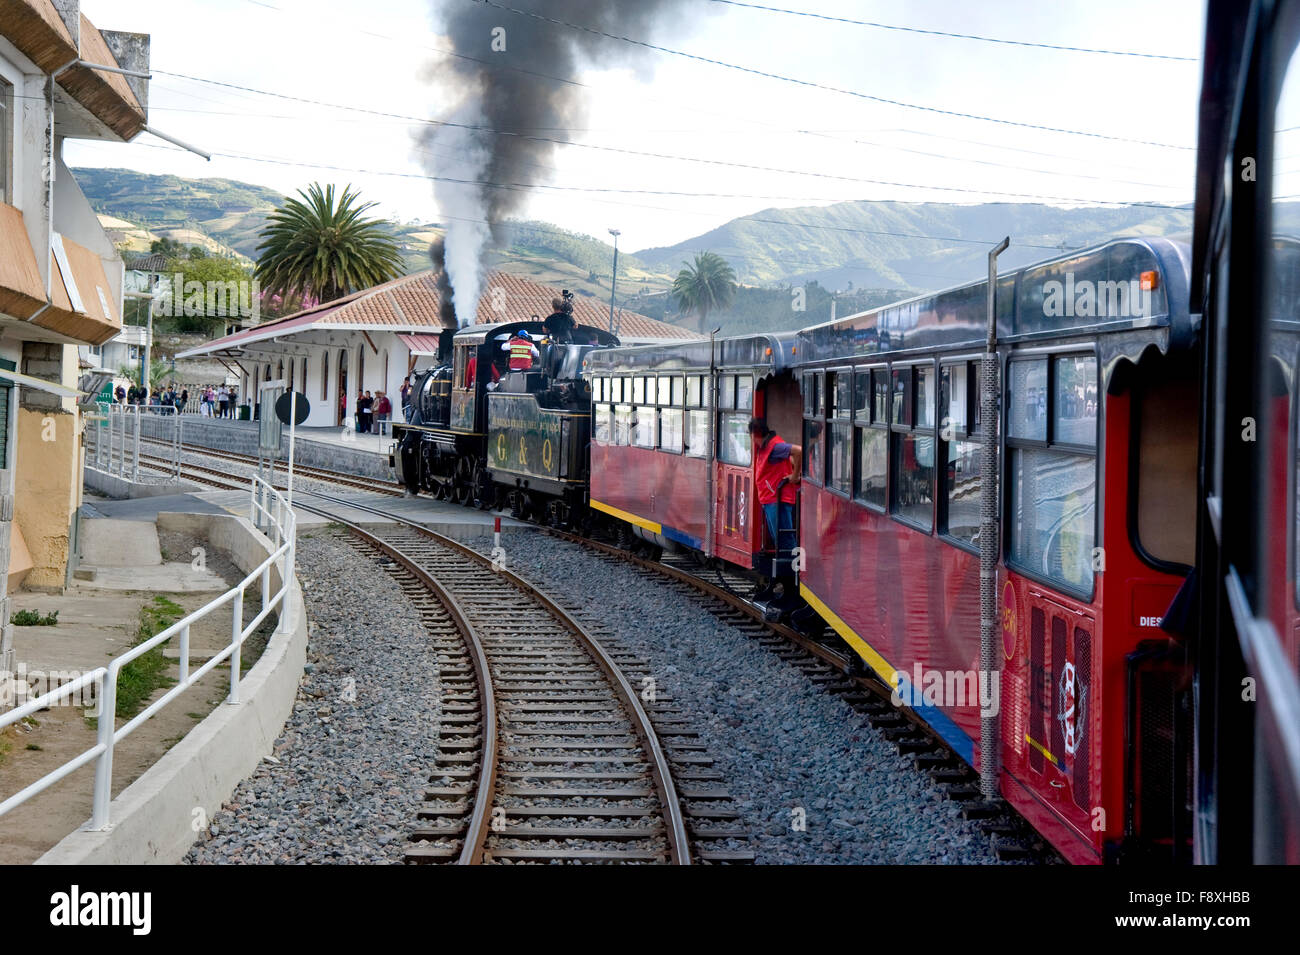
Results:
x,y
412,303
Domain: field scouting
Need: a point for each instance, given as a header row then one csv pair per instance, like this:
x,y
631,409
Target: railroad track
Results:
x,y
555,746
279,467
727,596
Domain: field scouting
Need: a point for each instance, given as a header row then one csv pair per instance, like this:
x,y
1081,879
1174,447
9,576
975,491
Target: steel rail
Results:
x,y
480,817
661,774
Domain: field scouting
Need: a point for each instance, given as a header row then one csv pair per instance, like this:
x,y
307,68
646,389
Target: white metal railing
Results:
x,y
267,509
113,437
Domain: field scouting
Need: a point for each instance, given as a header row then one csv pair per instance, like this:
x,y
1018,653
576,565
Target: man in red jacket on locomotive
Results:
x,y
777,466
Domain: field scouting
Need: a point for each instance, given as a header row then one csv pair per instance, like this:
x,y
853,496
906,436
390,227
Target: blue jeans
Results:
x,y
780,524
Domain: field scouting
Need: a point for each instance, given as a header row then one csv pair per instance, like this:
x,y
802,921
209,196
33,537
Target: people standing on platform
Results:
x,y
383,411
368,406
119,396
182,400
223,402
406,398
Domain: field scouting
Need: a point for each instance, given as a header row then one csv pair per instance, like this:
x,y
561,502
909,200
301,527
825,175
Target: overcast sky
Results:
x,y
382,55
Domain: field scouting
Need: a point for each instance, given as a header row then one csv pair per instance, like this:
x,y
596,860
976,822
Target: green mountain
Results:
x,y
868,253
231,214
907,245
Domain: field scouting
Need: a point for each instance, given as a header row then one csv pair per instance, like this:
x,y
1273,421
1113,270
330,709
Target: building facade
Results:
x,y
371,340
60,276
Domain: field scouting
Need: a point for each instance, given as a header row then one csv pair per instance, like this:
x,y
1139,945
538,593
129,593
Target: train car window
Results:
x,y
924,397
644,427
745,392
880,389
597,393
652,391
678,391
963,484
615,390
973,394
727,391
954,389
873,454
604,424
902,382
734,445
622,425
913,478
862,395
694,391
839,452
812,391
843,403
697,436
1053,514
814,464
1074,414
1027,399
1166,426
962,470
638,390
665,390
670,430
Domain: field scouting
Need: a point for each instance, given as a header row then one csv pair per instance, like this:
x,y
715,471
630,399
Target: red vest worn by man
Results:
x,y
521,354
772,464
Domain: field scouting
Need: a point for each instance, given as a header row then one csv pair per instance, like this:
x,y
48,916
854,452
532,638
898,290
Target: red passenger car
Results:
x,y
671,435
1097,454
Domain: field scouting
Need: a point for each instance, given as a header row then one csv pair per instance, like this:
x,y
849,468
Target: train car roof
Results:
x,y
478,334
956,317
775,351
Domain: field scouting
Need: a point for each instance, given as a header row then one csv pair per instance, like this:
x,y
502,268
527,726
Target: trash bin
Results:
x,y
245,413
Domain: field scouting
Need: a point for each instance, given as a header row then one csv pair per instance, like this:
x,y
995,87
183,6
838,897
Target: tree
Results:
x,y
212,290
325,248
706,286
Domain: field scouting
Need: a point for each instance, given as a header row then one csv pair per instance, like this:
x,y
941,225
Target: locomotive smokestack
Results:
x,y
446,305
517,79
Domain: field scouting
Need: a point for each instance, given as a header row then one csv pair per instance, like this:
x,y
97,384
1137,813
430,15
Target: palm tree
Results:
x,y
317,247
707,285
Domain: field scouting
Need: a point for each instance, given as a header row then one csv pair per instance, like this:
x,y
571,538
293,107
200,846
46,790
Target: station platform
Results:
x,y
341,437
451,520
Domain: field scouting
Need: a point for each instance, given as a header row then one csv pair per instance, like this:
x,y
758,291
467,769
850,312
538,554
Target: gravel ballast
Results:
x,y
787,749
346,777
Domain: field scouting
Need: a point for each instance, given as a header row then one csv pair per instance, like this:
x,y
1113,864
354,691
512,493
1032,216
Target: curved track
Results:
x,y
547,753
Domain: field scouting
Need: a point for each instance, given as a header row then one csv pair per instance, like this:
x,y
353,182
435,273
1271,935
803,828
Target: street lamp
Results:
x,y
613,282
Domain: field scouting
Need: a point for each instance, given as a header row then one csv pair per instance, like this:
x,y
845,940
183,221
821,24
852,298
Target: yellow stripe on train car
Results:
x,y
864,649
630,518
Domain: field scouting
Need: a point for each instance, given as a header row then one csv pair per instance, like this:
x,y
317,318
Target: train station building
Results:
x,y
371,340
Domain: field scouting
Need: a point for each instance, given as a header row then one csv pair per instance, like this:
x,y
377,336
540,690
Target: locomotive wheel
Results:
x,y
483,490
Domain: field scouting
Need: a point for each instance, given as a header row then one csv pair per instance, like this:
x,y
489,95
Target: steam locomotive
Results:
x,y
484,435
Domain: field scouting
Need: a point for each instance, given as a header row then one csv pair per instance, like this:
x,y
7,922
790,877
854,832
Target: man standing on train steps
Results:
x,y
777,466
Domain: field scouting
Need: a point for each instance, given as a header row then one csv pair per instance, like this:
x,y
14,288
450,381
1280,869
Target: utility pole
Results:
x,y
613,281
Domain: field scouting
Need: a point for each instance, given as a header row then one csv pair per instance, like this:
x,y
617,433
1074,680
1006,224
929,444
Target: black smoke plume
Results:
x,y
518,85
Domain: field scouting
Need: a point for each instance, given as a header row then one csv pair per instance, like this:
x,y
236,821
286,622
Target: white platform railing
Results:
x,y
269,511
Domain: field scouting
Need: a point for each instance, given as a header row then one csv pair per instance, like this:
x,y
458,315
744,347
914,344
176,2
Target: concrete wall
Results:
x,y
118,488
241,438
47,489
151,819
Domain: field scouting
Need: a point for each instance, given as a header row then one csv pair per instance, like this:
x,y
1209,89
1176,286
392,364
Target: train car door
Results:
x,y
735,510
1054,746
